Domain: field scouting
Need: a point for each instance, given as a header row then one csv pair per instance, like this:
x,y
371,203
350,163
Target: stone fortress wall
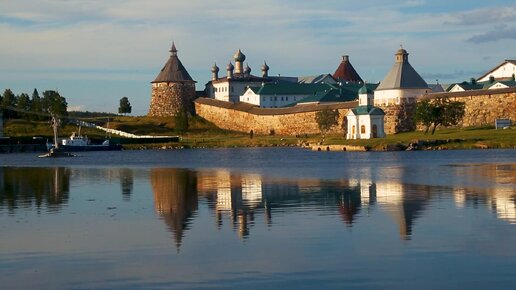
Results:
x,y
243,117
482,108
168,99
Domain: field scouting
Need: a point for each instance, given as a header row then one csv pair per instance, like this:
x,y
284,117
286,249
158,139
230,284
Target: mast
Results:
x,y
55,124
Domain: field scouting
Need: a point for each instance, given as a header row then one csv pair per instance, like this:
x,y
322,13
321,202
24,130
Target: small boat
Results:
x,y
77,142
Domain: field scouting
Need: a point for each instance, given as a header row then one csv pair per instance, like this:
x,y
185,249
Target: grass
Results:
x,y
467,138
203,134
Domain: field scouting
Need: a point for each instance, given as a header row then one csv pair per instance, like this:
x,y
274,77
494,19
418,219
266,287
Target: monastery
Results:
x,y
295,99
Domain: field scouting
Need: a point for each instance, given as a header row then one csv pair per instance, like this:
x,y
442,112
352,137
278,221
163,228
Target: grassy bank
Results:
x,y
203,134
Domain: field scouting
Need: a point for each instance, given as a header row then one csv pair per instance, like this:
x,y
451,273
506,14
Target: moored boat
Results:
x,y
77,142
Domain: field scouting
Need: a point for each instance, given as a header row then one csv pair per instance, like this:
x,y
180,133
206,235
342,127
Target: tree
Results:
x,y
181,121
8,100
424,114
23,104
36,105
439,112
326,119
125,106
53,103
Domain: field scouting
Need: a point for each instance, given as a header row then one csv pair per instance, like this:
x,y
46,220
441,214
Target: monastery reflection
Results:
x,y
501,198
175,198
27,187
240,198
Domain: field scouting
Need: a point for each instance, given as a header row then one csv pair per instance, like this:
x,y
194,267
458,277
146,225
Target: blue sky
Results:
x,y
95,52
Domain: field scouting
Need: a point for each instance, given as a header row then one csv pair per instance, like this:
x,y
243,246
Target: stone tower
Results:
x,y
173,89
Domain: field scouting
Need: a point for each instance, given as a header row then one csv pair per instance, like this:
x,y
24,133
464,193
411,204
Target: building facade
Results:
x,y
365,121
238,78
504,71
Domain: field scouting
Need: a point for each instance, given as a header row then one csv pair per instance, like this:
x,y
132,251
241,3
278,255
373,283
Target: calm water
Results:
x,y
259,219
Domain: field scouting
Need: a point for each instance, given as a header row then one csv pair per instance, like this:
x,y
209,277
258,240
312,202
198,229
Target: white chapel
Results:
x,y
365,121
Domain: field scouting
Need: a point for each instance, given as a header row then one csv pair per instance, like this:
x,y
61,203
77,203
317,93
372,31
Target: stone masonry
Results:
x,y
283,121
168,99
482,107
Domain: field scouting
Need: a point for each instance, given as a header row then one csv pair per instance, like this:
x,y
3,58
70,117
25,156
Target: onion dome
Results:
x,y
239,56
247,69
364,90
215,68
230,66
265,67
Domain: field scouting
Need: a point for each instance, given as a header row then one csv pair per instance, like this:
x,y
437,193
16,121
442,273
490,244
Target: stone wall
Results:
x,y
168,99
482,107
398,118
244,117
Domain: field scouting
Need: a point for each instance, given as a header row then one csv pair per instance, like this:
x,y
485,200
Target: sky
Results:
x,y
95,52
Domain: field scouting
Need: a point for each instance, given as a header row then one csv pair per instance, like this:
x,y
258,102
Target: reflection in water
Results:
x,y
126,182
28,187
242,196
501,198
175,198
247,198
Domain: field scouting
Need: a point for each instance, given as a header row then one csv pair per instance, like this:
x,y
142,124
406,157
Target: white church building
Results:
x,y
365,121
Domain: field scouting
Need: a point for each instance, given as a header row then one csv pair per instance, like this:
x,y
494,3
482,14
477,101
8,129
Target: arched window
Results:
x,y
353,130
362,129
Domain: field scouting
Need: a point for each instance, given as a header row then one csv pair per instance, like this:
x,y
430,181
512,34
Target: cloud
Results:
x,y
485,16
499,33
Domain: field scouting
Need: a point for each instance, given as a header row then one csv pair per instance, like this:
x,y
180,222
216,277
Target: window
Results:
x,y
271,99
353,130
281,98
362,129
287,99
232,89
275,98
375,131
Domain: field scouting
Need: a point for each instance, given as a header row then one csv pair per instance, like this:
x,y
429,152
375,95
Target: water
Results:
x,y
260,219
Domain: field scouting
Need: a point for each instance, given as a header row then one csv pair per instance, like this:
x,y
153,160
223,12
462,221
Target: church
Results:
x,y
229,88
365,121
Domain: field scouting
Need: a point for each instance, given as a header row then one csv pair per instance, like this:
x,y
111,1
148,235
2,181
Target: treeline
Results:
x,y
33,107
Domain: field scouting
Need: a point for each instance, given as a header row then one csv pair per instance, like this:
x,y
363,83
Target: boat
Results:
x,y
77,142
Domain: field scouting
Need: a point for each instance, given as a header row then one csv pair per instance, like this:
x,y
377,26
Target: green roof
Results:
x,y
285,88
367,110
343,93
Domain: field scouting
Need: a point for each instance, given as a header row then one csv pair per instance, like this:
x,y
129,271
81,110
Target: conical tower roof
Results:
x,y
346,72
173,71
402,75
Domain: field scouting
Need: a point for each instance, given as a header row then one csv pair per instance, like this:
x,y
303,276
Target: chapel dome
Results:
x,y
239,56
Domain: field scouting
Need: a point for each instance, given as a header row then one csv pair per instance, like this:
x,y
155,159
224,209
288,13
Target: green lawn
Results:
x,y
202,133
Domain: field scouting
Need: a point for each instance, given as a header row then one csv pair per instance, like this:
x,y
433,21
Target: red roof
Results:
x,y
345,72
